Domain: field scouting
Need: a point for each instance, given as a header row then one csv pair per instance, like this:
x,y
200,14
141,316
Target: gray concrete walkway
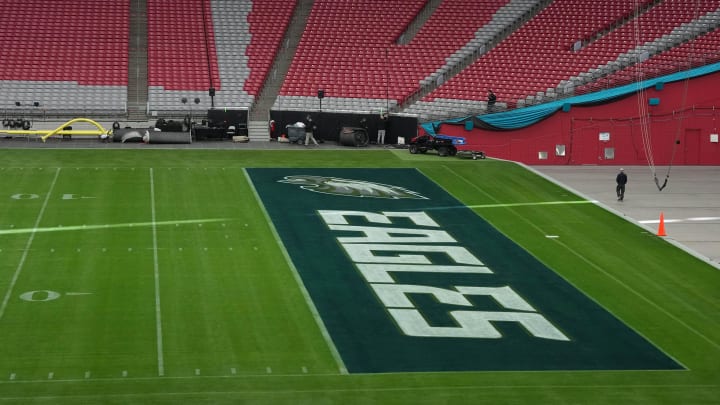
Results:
x,y
690,202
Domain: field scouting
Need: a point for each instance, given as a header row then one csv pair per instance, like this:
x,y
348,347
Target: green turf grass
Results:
x,y
242,309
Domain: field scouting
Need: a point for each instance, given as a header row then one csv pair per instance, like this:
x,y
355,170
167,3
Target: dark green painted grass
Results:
x,y
231,307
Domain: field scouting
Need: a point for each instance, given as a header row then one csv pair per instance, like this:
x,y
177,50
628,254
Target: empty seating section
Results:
x,y
349,48
538,55
343,48
232,38
65,40
73,54
64,54
181,52
657,22
452,26
703,50
243,37
268,21
181,46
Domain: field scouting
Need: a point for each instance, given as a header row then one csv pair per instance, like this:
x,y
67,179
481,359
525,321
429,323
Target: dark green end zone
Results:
x,y
440,289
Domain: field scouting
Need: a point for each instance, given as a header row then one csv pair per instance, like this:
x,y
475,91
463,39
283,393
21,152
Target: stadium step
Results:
x,y
281,65
258,131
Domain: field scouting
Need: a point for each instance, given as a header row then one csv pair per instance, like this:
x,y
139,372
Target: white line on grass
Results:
x,y
680,220
156,272
533,203
19,268
108,226
298,280
510,205
610,276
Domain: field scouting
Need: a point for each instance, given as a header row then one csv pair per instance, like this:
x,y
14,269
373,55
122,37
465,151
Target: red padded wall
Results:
x,y
579,129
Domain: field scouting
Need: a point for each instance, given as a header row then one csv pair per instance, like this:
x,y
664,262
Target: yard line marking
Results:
x,y
12,376
51,375
306,295
233,371
87,375
610,276
510,205
644,298
61,228
124,373
19,268
269,370
156,273
533,203
670,221
197,371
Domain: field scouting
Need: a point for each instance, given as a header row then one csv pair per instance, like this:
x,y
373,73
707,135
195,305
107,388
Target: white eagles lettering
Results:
x,y
381,251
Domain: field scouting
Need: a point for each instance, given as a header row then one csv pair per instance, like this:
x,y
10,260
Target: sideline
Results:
x,y
298,279
156,273
20,266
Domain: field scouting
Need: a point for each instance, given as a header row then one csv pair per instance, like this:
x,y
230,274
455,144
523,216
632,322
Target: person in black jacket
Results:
x,y
621,180
491,98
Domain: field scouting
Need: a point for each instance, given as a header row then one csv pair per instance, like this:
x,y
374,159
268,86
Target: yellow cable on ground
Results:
x,y
60,131
100,129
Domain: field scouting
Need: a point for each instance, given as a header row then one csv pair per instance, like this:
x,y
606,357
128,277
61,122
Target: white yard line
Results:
x,y
20,265
611,277
298,280
156,272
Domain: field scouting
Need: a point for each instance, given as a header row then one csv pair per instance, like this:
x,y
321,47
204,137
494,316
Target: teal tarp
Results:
x,y
523,117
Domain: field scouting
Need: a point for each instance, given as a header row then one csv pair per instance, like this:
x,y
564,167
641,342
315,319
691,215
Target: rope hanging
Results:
x,y
683,105
642,101
643,110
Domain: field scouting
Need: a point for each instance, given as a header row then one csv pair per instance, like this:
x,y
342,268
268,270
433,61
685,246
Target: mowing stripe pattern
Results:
x,y
406,278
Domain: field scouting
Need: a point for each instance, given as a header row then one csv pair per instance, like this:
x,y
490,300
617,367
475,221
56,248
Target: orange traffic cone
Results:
x,y
661,227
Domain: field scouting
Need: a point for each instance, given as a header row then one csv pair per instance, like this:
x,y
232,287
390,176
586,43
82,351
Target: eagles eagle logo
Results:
x,y
350,188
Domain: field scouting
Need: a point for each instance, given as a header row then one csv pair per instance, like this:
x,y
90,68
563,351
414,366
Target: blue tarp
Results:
x,y
523,117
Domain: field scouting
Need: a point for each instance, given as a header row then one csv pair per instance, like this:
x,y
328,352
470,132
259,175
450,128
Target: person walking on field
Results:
x,y
382,124
309,130
621,181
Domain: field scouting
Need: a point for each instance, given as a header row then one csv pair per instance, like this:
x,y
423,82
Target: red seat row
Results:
x,y
84,42
539,54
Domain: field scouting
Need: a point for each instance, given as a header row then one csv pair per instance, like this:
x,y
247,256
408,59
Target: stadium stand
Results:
x,y
528,51
693,53
545,58
368,73
72,56
268,20
225,44
182,61
343,51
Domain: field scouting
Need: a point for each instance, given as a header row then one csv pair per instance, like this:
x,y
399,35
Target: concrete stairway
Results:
x,y
258,131
137,62
281,65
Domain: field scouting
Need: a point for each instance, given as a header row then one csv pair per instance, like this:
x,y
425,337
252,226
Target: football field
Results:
x,y
325,276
